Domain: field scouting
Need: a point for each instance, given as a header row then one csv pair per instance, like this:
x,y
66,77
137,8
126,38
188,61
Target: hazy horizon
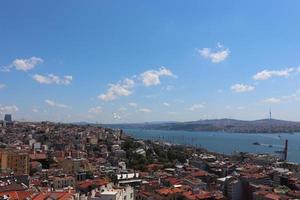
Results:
x,y
150,122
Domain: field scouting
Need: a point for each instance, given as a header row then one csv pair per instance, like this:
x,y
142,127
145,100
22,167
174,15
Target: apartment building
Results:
x,y
16,161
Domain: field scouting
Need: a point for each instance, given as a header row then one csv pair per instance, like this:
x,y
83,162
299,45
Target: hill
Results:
x,y
227,125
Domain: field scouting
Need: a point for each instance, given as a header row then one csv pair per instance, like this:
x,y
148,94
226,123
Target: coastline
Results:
x,y
224,142
218,131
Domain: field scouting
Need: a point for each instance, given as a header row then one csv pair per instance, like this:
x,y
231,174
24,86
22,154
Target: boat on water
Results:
x,y
256,143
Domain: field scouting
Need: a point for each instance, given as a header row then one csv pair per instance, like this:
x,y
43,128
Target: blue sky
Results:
x,y
137,61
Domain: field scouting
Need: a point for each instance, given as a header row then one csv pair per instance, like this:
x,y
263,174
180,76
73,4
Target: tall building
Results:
x,y
8,118
12,160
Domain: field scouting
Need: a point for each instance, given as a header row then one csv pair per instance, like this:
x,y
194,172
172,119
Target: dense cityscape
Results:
x,y
45,160
149,100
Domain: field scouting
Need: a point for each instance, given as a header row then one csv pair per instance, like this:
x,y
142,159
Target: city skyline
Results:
x,y
115,62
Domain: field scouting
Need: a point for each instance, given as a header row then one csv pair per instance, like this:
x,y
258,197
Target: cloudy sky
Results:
x,y
138,60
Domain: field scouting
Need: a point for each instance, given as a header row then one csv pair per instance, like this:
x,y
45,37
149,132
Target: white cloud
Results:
x,y
122,88
53,79
196,107
266,74
95,110
2,86
132,104
27,64
125,87
272,100
166,104
145,110
8,109
23,64
215,56
287,98
54,104
116,116
152,77
242,88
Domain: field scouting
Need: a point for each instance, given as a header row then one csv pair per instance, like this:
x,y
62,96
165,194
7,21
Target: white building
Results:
x,y
113,193
128,178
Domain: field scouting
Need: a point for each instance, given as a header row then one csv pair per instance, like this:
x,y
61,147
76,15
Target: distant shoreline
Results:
x,y
272,133
272,126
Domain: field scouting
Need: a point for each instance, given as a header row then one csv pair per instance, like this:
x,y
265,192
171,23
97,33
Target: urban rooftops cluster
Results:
x,y
45,160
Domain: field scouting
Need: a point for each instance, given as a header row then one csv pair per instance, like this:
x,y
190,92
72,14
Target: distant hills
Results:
x,y
226,125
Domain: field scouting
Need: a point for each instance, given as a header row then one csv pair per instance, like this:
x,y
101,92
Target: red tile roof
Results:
x,y
272,196
87,183
199,173
17,195
169,191
54,195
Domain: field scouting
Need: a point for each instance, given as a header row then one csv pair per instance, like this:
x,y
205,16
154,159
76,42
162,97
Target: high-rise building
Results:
x,y
12,160
8,118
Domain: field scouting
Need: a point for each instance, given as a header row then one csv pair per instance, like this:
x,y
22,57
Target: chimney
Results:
x,y
285,150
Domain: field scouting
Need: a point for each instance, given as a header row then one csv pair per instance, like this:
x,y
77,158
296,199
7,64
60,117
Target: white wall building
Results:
x,y
113,193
